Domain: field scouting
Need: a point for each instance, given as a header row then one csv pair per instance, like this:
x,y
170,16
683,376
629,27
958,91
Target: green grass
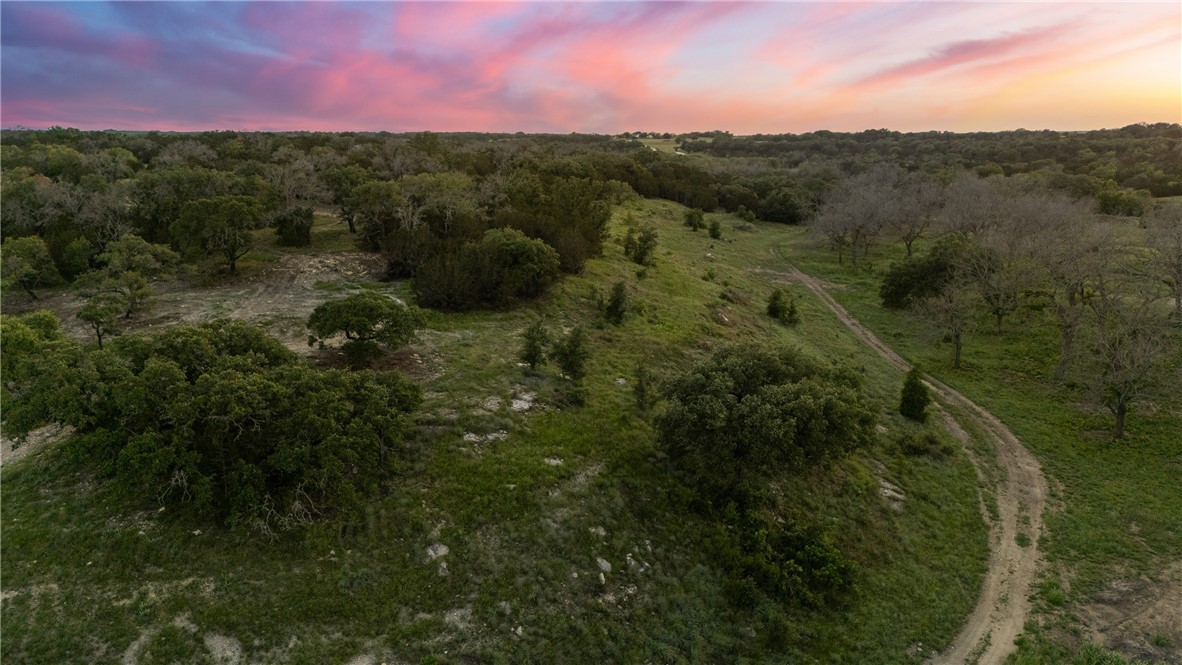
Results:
x,y
1115,506
83,584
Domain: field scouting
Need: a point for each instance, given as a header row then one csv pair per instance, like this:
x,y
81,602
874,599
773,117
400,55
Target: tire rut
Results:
x,y
987,637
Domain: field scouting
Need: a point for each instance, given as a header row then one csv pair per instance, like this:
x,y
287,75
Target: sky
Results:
x,y
599,67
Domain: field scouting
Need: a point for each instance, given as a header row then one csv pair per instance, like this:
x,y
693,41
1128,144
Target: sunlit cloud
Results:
x,y
589,67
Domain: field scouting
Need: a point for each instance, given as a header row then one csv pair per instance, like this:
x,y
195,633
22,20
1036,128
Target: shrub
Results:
x,y
783,309
221,418
504,266
695,219
533,347
368,320
715,229
749,413
294,227
617,304
571,354
915,399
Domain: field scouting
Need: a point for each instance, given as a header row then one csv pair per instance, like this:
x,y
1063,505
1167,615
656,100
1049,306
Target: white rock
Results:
x,y
553,461
437,550
598,531
603,564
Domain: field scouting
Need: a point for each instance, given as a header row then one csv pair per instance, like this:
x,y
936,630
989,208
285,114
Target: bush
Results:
x,y
369,321
783,309
695,219
715,229
927,445
504,266
749,414
571,354
617,304
221,418
915,399
641,246
294,227
533,347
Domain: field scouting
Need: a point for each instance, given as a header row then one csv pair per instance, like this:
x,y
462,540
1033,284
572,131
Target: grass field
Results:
x,y
527,496
1116,505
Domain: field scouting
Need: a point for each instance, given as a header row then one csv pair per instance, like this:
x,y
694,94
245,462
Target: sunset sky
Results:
x,y
609,67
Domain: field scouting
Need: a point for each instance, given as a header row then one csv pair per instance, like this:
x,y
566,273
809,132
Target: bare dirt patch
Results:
x,y
1139,617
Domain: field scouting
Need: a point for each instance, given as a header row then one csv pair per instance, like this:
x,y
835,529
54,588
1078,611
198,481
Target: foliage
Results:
x,y
124,280
571,354
102,312
644,390
294,227
219,417
920,278
497,270
914,401
715,229
782,308
749,414
26,263
695,219
789,563
617,304
218,226
369,321
640,246
533,345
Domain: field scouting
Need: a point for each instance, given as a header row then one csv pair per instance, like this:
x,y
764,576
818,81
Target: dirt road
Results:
x,y
989,632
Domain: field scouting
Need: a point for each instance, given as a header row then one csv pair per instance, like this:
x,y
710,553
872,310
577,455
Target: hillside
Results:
x,y
526,495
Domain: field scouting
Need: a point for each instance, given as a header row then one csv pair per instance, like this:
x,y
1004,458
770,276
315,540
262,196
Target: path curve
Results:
x,y
987,637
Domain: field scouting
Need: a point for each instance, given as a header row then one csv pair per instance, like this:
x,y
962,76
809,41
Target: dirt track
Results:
x,y
989,632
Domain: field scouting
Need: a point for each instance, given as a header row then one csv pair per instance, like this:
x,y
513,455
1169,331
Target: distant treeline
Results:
x,y
426,200
1138,157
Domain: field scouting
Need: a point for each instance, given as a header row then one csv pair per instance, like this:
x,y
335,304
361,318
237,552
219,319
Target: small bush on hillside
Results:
x,y
533,345
616,307
926,445
782,308
695,219
571,354
915,398
715,229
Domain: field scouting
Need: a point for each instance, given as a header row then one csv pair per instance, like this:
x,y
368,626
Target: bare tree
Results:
x,y
1130,342
975,205
856,211
913,204
951,314
1069,249
1164,240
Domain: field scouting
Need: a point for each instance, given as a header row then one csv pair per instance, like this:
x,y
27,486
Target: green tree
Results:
x,y
914,401
695,219
102,312
341,181
715,229
294,227
782,308
748,414
218,418
26,263
616,307
534,343
572,353
219,226
129,266
368,320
